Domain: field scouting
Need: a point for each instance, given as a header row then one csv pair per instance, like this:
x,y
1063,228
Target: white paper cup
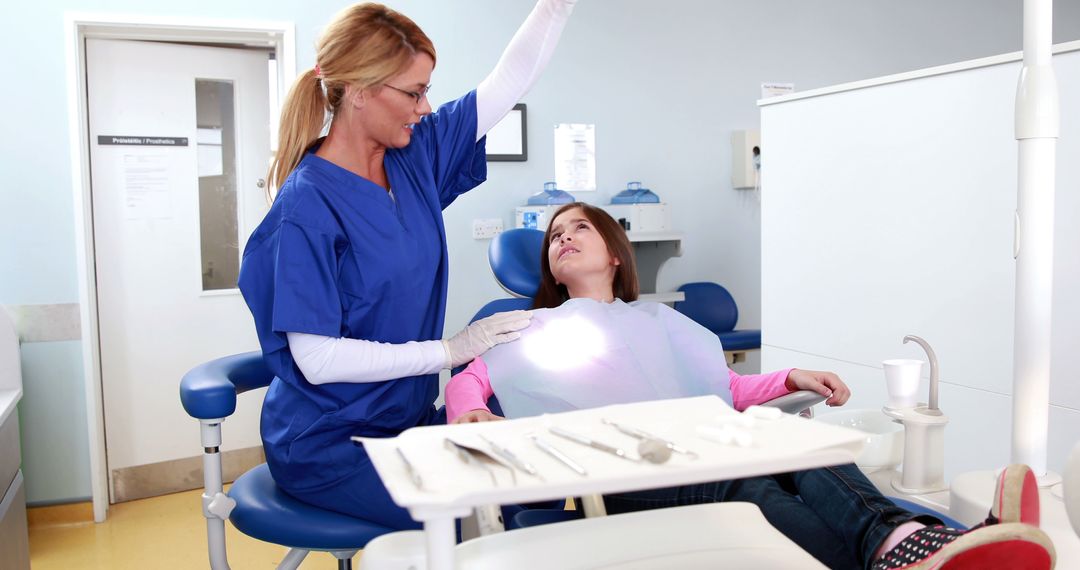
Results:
x,y
902,381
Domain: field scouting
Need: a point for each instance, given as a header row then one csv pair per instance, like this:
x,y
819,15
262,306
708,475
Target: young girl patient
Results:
x,y
592,343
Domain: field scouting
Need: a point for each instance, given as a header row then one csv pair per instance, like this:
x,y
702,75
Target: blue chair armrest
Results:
x,y
209,390
537,517
796,402
748,339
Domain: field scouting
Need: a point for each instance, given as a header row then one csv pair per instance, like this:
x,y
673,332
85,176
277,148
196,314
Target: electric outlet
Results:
x,y
486,228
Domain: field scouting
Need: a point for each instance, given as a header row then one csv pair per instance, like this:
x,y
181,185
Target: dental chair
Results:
x,y
712,306
738,534
254,503
514,259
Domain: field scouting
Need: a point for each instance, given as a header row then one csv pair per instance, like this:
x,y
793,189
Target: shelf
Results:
x,y
652,250
670,297
636,237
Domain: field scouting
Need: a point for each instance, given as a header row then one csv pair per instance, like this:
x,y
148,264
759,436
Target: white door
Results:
x,y
179,138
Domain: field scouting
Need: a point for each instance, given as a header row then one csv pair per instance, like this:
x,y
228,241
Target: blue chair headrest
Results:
x,y
209,390
514,256
709,305
502,305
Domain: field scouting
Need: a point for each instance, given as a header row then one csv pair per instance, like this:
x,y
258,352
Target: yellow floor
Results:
x,y
162,532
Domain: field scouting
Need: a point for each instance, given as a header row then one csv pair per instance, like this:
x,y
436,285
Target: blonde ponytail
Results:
x,y
363,46
302,120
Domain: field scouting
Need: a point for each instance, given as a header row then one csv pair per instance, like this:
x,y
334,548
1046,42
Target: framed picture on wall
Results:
x,y
506,141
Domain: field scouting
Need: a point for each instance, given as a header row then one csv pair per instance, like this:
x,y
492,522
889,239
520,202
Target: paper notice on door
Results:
x,y
146,186
575,157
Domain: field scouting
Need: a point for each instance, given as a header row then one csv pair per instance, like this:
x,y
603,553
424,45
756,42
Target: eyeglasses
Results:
x,y
418,95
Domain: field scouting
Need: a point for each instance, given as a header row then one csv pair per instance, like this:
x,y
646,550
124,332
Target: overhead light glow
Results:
x,y
565,344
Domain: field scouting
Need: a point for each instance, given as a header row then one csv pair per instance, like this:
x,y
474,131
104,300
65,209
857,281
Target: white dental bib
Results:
x,y
585,354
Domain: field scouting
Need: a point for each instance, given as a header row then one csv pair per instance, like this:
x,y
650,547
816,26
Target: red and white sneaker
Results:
x,y
1016,497
1003,546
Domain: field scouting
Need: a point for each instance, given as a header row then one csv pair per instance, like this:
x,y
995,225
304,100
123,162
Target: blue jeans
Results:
x,y
834,513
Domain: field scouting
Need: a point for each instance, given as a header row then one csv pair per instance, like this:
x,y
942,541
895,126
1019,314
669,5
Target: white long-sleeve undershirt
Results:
x,y
324,359
521,63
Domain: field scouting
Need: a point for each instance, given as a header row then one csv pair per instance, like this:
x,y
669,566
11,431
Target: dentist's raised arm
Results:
x,y
521,63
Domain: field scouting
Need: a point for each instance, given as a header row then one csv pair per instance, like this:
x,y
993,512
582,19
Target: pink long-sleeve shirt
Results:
x,y
471,388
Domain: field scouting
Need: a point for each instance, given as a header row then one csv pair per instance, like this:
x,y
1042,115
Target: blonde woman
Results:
x,y
346,277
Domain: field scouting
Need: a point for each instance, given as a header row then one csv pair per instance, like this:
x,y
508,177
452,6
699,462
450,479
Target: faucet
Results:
x,y
933,404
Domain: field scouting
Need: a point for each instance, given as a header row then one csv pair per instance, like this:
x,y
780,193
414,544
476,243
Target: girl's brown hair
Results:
x,y
625,286
363,46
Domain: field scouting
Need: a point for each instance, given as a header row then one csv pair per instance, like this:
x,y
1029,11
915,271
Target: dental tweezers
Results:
x,y
478,457
514,460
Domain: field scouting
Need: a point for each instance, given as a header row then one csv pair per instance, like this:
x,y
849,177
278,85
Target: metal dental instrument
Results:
x,y
512,458
560,456
413,473
576,438
476,456
642,434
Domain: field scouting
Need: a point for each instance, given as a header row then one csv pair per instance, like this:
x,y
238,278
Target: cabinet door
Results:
x,y
14,539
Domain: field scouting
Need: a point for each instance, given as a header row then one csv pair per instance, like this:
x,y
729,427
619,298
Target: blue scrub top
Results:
x,y
339,256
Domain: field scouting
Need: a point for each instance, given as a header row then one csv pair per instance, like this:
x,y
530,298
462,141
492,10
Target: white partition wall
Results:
x,y
888,209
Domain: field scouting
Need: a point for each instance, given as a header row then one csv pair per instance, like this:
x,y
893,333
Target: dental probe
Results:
x,y
644,435
554,452
576,438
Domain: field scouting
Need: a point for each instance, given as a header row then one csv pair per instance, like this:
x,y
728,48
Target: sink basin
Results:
x,y
884,437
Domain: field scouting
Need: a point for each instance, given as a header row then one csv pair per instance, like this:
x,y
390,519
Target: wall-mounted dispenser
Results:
x,y
745,158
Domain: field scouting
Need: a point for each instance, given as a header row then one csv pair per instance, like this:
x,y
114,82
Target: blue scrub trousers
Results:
x,y
362,494
834,513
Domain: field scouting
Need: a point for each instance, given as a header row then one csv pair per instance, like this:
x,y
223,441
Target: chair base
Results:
x,y
296,556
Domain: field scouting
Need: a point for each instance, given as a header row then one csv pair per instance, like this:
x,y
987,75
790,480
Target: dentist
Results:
x,y
346,276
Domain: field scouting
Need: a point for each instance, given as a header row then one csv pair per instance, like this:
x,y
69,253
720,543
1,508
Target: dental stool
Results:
x,y
712,306
254,504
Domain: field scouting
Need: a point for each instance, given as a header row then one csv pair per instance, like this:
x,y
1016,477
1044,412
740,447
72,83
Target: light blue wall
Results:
x,y
665,83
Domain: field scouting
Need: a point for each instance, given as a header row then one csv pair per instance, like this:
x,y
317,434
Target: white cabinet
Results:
x,y
14,540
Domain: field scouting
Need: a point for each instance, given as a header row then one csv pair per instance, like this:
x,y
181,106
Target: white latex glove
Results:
x,y
478,337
